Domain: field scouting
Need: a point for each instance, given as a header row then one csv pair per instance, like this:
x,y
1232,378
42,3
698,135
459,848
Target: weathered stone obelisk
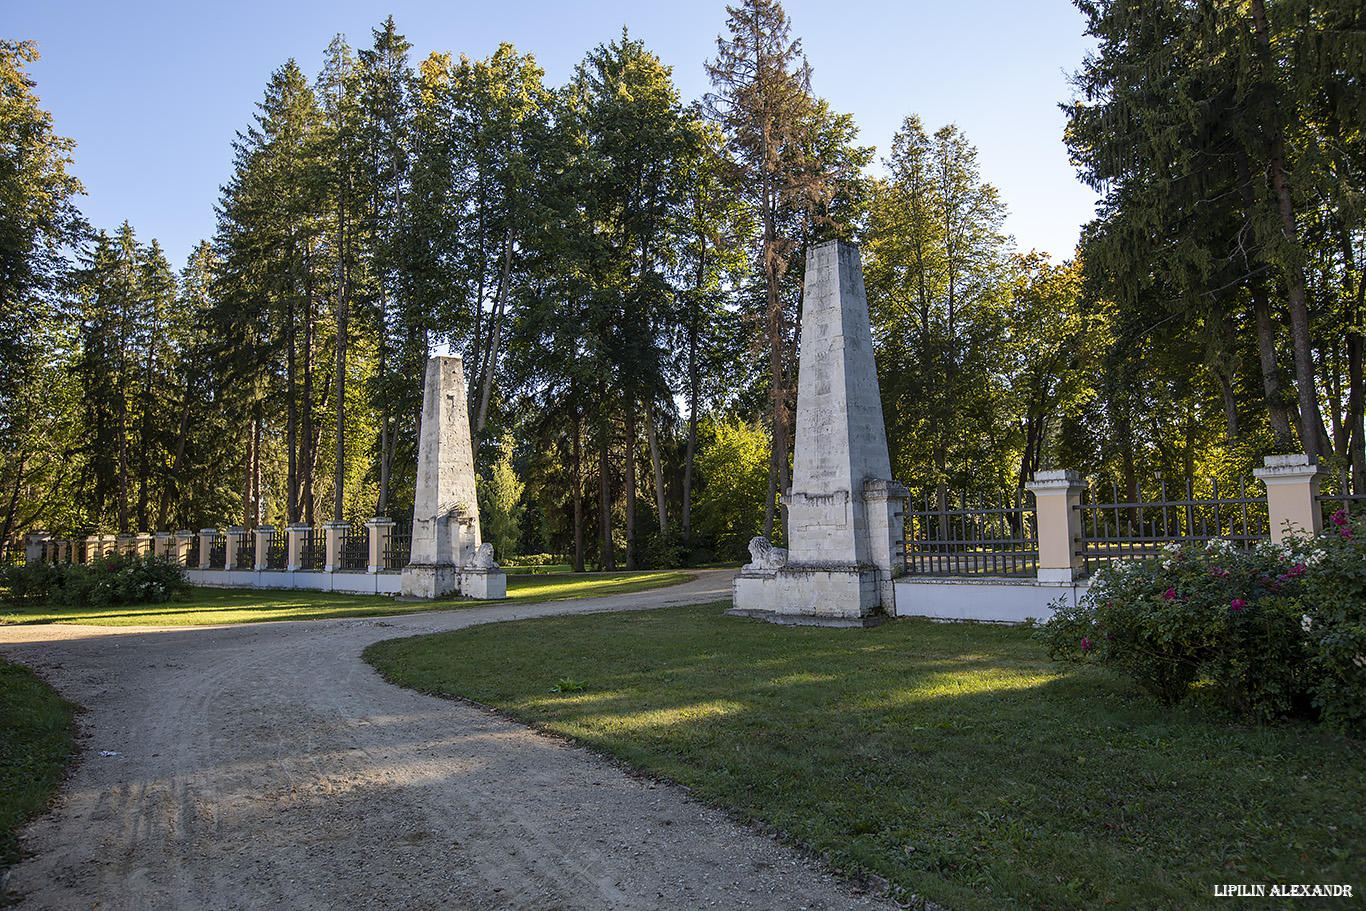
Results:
x,y
447,556
844,509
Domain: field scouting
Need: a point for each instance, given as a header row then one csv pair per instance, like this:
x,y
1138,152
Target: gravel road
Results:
x,y
267,766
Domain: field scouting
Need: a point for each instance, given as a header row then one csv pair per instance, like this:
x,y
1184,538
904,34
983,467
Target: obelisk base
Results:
x,y
424,582
809,595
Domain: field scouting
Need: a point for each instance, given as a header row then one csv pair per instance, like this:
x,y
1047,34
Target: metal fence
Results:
x,y
246,551
989,535
354,548
400,547
192,553
1116,526
218,552
313,549
1337,497
277,553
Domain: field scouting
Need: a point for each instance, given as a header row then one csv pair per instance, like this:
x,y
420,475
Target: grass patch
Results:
x,y
213,606
954,760
36,739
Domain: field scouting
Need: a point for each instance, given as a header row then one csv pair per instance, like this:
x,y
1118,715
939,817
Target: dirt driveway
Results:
x,y
267,766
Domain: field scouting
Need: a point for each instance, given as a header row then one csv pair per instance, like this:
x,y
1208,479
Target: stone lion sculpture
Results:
x,y
764,555
483,557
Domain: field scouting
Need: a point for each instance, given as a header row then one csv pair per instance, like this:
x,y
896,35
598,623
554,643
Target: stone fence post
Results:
x,y
206,536
332,538
885,502
263,535
380,529
142,544
1292,490
108,544
35,547
294,544
182,546
125,544
234,536
1056,496
162,547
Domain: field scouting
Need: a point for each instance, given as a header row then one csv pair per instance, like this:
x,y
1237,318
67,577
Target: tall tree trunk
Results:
x,y
629,466
122,401
1278,412
178,464
291,418
308,451
491,352
12,509
382,502
339,470
661,504
608,562
578,492
1313,436
694,394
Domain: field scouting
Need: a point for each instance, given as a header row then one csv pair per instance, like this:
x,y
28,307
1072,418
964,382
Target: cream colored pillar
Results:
x,y
162,547
1292,490
124,544
182,546
206,536
234,535
332,537
263,535
1057,494
294,545
142,544
380,529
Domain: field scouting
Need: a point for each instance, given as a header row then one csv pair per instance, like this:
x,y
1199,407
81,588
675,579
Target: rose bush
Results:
x,y
1273,632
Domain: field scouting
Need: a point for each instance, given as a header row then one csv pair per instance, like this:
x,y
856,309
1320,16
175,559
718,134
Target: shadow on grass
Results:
x,y
952,759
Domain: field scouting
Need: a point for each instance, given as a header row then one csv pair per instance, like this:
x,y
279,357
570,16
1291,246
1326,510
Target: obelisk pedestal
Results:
x,y
447,556
845,512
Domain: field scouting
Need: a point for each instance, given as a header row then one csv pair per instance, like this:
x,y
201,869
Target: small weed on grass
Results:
x,y
36,740
954,760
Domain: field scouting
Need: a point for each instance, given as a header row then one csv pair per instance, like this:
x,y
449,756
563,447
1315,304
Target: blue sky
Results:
x,y
154,92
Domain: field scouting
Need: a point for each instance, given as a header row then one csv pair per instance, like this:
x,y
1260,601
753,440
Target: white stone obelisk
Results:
x,y
447,556
844,509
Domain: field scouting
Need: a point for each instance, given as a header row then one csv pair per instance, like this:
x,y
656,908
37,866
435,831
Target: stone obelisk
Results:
x,y
844,509
447,555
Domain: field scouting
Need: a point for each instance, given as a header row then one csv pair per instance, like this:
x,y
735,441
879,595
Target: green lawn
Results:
x,y
954,760
36,740
211,606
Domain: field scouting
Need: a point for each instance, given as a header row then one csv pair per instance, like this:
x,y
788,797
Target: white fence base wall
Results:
x,y
353,582
990,600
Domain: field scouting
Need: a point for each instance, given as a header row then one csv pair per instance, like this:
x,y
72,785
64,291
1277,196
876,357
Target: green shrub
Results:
x,y
111,579
1334,619
531,560
1275,632
33,583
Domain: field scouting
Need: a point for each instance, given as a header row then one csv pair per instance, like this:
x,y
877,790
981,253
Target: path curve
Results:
x,y
267,766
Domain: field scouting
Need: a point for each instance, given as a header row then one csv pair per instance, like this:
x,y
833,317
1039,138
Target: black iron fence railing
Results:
x,y
354,548
400,547
1114,526
218,552
313,549
1336,496
246,551
277,553
989,535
